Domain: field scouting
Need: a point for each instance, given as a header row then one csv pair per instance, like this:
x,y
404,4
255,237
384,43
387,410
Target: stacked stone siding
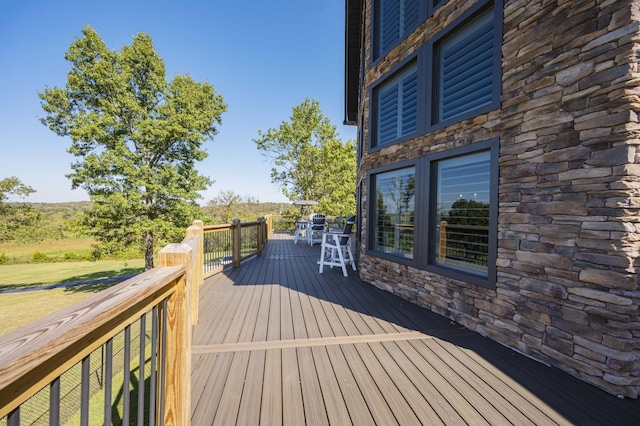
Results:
x,y
567,289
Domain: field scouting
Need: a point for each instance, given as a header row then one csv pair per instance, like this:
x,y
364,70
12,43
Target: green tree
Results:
x,y
310,161
225,206
136,137
13,186
337,178
20,222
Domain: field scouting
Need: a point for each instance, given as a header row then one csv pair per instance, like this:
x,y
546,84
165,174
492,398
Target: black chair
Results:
x,y
315,229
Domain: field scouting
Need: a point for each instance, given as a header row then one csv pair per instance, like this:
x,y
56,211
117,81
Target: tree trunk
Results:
x,y
148,251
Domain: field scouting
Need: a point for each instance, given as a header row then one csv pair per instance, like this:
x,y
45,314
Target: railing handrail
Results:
x,y
32,356
35,355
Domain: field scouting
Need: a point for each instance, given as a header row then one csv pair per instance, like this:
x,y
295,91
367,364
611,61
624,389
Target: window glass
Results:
x,y
394,212
462,196
397,105
465,68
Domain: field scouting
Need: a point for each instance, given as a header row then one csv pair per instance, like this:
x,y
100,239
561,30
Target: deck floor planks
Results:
x,y
481,410
206,397
366,363
517,406
556,394
251,399
402,411
314,409
351,305
355,402
272,404
275,314
227,411
378,407
286,315
337,411
292,403
444,413
330,324
406,387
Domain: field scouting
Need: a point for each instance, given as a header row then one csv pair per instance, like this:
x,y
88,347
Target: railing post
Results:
x,y
177,360
260,234
197,231
236,249
442,252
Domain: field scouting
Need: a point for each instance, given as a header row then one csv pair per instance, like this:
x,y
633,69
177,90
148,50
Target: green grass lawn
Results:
x,y
51,248
19,309
47,273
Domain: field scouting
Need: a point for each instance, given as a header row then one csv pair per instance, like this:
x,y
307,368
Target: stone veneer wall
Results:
x,y
567,288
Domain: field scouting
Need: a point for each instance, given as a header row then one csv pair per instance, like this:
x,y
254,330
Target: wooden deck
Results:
x,y
279,343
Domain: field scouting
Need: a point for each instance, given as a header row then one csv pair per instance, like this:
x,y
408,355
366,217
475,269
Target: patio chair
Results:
x,y
335,225
301,229
336,248
315,228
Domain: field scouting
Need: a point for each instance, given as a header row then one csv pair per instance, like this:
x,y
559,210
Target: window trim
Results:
x,y
425,213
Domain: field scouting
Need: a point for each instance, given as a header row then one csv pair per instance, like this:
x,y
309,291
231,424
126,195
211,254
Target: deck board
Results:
x,y
279,343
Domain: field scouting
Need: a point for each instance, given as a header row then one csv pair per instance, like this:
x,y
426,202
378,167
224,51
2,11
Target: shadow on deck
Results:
x,y
279,343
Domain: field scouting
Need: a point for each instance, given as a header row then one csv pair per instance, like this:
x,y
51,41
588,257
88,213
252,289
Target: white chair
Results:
x,y
336,248
315,228
301,230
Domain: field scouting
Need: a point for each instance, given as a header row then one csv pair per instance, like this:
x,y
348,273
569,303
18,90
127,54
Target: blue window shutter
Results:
x,y
466,69
409,103
410,14
389,23
397,105
388,114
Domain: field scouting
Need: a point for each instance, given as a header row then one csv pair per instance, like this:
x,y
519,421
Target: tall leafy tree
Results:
x,y
225,206
19,222
136,137
310,161
337,182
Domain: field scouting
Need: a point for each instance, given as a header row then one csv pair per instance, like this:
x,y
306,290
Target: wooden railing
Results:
x,y
36,359
228,245
463,243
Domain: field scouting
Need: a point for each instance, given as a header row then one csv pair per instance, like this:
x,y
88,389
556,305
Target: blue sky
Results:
x,y
263,57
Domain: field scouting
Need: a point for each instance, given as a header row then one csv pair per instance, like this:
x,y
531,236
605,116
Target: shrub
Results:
x,y
72,256
39,257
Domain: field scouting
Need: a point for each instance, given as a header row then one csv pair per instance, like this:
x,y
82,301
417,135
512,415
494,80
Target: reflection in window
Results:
x,y
462,215
394,212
